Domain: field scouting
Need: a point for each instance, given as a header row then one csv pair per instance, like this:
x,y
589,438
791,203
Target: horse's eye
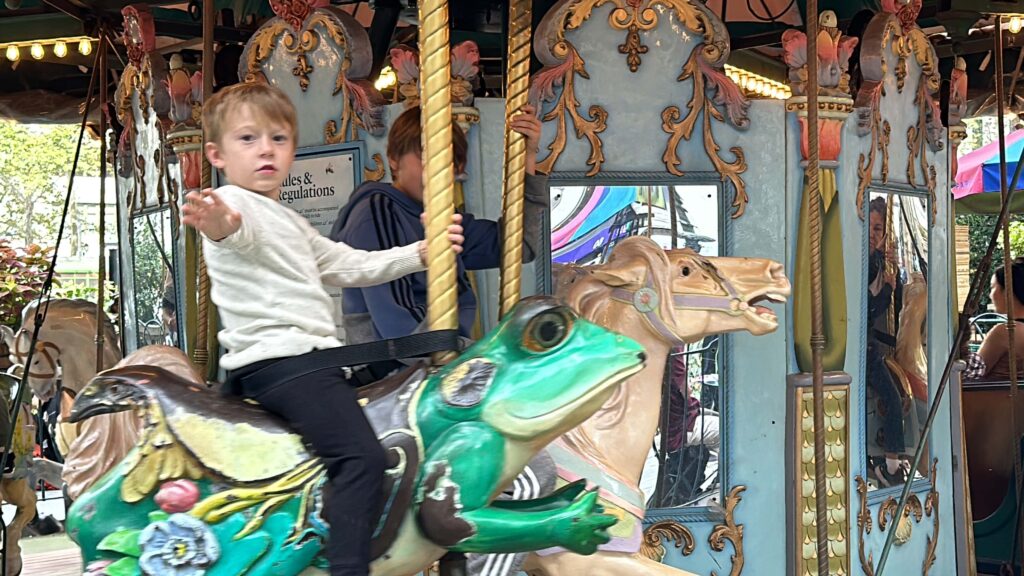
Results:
x,y
686,270
546,331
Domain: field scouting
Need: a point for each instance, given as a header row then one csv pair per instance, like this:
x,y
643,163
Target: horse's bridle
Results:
x,y
646,301
42,347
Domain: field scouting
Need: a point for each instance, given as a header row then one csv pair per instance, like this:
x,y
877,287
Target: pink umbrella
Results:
x,y
970,176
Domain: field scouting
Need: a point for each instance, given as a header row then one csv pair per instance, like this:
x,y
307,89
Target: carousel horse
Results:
x,y
909,361
67,348
661,299
216,484
16,488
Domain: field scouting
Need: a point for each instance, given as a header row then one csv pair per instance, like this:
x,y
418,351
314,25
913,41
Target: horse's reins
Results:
x,y
42,347
648,303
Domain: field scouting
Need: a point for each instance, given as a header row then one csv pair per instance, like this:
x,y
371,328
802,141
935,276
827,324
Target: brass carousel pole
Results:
x,y
438,188
517,87
101,276
201,352
1004,191
817,303
438,169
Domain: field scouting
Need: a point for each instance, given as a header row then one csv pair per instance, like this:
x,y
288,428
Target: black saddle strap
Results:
x,y
412,346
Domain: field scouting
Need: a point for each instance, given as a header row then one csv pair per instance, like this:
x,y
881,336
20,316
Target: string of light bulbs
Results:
x,y
59,47
757,84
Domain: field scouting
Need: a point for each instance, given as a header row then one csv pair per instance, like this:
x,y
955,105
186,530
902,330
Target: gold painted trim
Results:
x,y
931,508
864,527
653,546
729,530
683,129
566,110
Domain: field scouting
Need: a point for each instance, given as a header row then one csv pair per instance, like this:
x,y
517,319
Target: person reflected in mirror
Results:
x,y
992,361
884,285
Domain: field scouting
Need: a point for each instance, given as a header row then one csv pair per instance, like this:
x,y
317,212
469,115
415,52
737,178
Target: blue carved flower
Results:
x,y
179,546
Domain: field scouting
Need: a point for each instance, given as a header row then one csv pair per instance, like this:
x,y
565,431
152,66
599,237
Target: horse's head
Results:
x,y
681,295
43,375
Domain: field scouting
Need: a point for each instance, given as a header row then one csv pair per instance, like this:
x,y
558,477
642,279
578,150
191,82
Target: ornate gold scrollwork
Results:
x,y
653,547
260,47
566,110
918,138
864,527
683,129
729,530
903,527
931,509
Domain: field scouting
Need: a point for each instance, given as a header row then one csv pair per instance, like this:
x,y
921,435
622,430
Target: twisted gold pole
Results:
x,y
438,172
201,353
517,87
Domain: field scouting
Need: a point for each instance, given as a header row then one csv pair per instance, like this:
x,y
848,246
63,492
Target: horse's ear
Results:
x,y
7,335
621,272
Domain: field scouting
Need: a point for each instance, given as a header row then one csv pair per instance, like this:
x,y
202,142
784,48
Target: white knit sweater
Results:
x,y
268,280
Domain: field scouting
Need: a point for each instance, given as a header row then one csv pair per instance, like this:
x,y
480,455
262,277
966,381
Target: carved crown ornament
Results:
x,y
893,37
715,97
834,102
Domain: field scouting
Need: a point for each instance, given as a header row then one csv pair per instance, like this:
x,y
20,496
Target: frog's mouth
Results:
x,y
520,422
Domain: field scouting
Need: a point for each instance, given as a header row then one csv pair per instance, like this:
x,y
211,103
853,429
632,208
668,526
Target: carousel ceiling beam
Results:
x,y
774,37
189,30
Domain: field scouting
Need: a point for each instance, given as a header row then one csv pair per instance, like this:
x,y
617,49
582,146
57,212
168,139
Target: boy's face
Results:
x,y
253,152
407,171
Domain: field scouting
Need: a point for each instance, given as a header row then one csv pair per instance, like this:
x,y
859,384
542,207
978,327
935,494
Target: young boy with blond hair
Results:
x,y
268,267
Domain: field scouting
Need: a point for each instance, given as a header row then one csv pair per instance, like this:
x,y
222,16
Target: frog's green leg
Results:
x,y
454,511
560,498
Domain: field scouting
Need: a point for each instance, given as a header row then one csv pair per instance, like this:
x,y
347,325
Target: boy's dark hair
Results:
x,y
405,134
880,205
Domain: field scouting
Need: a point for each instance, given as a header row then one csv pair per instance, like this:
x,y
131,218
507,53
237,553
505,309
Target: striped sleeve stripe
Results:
x,y
386,226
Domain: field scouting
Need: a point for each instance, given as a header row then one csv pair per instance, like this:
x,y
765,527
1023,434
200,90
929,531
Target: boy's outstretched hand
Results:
x,y
527,124
206,212
454,236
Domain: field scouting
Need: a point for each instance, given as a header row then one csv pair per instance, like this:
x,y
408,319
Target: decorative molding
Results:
x,y
729,530
837,407
957,112
704,67
895,31
465,64
653,547
931,509
867,565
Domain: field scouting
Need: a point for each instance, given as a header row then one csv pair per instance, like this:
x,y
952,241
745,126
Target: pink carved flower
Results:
x,y
97,568
177,496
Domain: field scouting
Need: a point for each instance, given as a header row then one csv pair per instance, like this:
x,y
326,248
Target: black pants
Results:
x,y
322,407
880,380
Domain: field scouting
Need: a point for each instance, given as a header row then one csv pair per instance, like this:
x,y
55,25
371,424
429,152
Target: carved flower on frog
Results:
x,y
97,568
179,546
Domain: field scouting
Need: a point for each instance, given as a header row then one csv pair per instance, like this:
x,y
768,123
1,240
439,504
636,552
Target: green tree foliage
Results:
x,y
22,272
982,227
30,157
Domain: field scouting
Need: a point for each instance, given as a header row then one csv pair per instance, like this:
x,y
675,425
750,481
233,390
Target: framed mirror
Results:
x,y
896,363
154,258
587,221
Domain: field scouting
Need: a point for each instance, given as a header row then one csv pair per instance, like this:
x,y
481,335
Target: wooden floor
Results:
x,y
54,563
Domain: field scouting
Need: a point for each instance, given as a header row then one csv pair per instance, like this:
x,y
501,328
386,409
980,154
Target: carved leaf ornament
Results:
x,y
704,67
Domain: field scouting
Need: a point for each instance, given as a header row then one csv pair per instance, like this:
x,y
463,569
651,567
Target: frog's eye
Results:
x,y
546,331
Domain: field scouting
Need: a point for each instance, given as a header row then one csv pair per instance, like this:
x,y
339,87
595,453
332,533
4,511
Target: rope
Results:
x,y
438,173
1007,267
101,279
517,88
817,298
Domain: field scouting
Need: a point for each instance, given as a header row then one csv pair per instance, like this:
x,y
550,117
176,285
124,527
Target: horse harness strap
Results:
x,y
413,346
647,302
43,347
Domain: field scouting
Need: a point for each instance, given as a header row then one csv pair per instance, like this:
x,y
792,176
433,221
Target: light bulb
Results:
x,y
60,49
13,53
386,79
36,51
85,47
1015,24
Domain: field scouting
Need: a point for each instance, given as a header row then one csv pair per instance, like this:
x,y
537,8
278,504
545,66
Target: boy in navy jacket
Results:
x,y
379,216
